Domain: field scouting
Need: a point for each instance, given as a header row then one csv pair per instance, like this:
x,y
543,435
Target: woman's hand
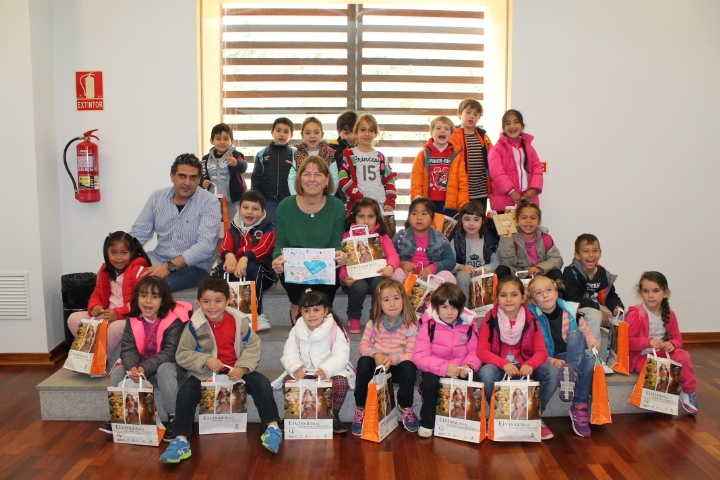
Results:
x,y
278,265
340,258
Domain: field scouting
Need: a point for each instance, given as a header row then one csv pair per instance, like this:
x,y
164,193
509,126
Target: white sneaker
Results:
x,y
263,323
425,432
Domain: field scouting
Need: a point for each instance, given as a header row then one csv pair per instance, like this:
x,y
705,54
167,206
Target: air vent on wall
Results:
x,y
14,296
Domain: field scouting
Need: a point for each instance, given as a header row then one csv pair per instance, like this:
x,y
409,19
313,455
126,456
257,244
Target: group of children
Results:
x,y
546,332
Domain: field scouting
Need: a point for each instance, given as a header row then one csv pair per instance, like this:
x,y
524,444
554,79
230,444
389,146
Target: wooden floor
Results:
x,y
633,446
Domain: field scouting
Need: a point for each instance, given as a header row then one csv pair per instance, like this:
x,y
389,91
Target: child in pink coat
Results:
x,y
446,346
652,325
366,211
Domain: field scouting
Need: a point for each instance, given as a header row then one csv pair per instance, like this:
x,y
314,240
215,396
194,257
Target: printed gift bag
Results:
x,y
658,386
88,352
619,354
225,224
390,223
243,298
444,224
460,411
223,405
308,409
515,411
133,415
482,293
365,255
381,412
419,291
600,407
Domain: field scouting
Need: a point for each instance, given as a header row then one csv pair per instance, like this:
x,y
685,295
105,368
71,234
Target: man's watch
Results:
x,y
171,266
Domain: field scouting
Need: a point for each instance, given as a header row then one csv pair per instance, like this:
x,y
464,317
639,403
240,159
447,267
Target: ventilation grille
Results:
x,y
14,296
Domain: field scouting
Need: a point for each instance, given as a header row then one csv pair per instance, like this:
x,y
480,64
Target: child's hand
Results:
x,y
278,265
656,343
340,258
407,267
230,263
206,184
236,373
320,374
214,364
557,362
467,268
511,370
463,372
668,347
532,271
516,197
241,268
349,281
526,370
452,371
232,161
134,373
387,208
96,310
299,373
530,195
386,271
618,310
593,345
605,318
424,273
110,315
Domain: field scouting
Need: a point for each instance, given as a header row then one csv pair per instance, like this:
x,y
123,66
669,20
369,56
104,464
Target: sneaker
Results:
x,y
338,426
169,430
689,402
545,432
263,323
425,432
358,421
409,419
271,439
178,450
354,325
567,378
580,417
106,427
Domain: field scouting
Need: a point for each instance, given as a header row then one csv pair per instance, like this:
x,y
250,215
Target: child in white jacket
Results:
x,y
318,342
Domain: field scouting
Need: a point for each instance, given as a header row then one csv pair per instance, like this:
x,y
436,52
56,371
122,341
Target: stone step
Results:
x,y
72,396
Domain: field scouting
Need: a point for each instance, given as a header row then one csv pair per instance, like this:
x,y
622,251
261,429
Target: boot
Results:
x,y
338,426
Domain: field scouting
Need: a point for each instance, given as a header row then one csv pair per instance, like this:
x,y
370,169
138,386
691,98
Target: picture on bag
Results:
x,y
308,403
502,402
223,399
661,377
86,338
240,297
132,408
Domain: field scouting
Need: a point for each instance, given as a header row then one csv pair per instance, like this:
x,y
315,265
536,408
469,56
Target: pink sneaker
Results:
x,y
545,432
580,417
354,325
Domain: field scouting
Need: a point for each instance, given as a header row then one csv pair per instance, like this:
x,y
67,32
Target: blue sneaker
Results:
x,y
177,451
409,419
271,439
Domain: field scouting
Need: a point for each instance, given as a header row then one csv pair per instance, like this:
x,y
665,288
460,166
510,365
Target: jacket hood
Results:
x,y
238,222
527,139
467,317
303,332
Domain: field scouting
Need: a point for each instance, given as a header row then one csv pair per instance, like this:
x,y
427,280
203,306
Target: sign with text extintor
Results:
x,y
89,90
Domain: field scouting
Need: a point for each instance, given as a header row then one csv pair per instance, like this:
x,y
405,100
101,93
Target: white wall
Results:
x,y
622,98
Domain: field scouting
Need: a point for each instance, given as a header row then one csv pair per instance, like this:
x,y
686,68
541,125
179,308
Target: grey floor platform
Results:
x,y
68,395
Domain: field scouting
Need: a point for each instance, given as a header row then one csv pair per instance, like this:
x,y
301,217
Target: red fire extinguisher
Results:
x,y
87,188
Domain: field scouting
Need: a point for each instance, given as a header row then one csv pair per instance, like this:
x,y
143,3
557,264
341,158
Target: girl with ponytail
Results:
x,y
653,325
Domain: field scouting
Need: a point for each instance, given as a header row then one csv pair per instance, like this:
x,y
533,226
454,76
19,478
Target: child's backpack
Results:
x,y
547,242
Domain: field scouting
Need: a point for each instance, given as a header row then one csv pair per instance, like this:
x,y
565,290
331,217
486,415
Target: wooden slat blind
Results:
x,y
405,65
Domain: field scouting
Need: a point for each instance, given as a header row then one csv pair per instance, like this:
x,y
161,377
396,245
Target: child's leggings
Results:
x,y
404,373
114,331
356,295
688,382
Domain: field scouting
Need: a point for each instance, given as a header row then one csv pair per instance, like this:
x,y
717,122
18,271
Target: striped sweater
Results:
x,y
569,324
399,345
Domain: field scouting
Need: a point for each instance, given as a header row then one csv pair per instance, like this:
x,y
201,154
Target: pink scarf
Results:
x,y
511,334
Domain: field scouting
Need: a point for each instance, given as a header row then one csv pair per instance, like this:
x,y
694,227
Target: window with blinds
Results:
x,y
403,64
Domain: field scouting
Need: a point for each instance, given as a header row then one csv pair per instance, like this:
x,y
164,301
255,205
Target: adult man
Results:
x,y
187,222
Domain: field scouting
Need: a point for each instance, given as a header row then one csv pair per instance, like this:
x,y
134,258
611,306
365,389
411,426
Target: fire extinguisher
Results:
x,y
87,188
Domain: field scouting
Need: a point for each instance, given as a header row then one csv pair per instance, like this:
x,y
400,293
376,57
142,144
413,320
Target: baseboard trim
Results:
x,y
34,359
701,337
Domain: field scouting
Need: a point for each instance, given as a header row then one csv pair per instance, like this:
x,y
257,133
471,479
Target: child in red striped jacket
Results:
x,y
389,341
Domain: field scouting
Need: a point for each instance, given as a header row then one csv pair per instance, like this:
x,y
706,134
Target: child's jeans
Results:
x,y
357,292
259,273
546,374
404,373
167,379
188,399
583,362
688,381
114,331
